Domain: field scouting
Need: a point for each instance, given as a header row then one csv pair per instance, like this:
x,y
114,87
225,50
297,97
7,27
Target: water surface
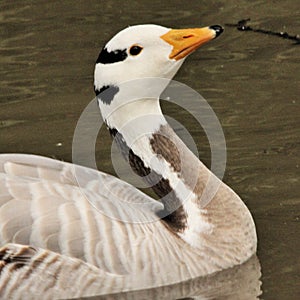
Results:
x,y
252,82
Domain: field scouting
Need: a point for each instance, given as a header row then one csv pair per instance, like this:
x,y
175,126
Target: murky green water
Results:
x,y
252,82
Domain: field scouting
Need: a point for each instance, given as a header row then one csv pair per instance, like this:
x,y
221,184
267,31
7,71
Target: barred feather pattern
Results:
x,y
69,223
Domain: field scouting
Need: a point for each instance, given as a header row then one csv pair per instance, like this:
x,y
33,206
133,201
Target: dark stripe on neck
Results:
x,y
106,57
106,93
163,146
173,213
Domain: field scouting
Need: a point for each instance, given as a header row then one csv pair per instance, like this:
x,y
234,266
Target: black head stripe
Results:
x,y
106,93
106,57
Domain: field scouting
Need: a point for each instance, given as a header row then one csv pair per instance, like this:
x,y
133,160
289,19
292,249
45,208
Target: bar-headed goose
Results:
x,y
65,239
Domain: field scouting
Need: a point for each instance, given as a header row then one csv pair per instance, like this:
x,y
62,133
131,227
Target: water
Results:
x,y
251,80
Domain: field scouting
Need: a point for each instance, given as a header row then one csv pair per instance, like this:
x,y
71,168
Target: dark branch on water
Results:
x,y
242,26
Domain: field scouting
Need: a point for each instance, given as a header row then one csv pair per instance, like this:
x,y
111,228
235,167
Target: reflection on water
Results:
x,y
48,50
239,283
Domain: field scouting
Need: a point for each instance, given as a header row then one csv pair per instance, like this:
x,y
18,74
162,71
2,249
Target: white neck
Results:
x,y
181,180
136,119
145,131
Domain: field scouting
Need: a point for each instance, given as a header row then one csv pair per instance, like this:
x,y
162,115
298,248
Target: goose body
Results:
x,y
70,231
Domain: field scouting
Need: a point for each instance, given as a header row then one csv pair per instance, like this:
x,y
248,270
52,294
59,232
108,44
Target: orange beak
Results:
x,y
185,41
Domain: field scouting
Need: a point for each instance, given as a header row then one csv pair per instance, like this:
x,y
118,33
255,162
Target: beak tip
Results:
x,y
217,28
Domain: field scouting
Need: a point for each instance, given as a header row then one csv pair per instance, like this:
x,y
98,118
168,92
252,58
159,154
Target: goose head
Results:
x,y
144,51
148,51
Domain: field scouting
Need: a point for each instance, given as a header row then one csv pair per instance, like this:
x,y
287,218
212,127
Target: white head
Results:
x,y
143,51
139,52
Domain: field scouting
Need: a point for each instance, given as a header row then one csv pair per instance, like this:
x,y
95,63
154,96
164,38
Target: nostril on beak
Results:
x,y
217,28
188,36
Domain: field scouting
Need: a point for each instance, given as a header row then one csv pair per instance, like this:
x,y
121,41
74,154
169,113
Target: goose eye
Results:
x,y
135,50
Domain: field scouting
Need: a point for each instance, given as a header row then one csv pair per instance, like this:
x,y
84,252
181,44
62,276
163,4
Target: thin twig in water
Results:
x,y
242,26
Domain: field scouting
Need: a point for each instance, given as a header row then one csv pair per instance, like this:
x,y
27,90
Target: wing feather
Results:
x,y
79,213
63,276
71,210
